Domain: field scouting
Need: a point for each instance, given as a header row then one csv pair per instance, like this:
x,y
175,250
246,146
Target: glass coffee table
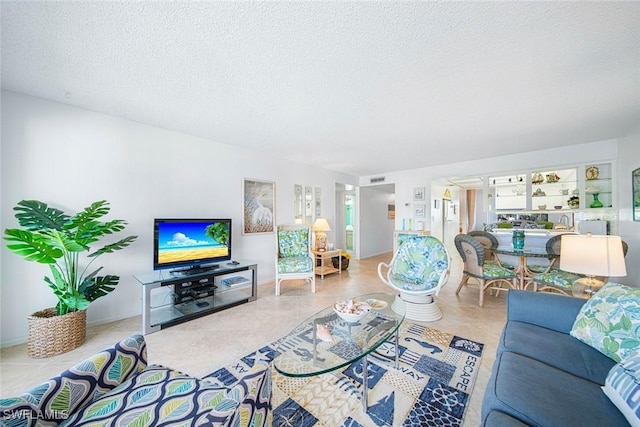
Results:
x,y
325,342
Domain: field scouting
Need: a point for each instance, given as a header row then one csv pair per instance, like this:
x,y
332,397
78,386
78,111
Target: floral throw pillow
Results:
x,y
610,321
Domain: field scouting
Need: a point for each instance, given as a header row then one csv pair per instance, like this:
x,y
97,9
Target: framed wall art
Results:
x,y
318,201
418,194
308,205
418,211
298,203
258,214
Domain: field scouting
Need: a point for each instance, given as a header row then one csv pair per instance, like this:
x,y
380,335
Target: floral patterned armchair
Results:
x,y
419,268
294,259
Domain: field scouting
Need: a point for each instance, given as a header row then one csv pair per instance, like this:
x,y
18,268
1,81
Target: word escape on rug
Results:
x,y
432,385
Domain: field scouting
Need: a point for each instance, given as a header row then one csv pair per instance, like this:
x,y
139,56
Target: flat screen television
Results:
x,y
187,244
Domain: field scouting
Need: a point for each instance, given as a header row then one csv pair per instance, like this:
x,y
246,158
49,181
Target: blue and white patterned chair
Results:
x,y
487,274
116,387
419,269
294,260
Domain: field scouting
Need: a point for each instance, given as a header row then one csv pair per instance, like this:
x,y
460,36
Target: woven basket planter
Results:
x,y
336,263
50,334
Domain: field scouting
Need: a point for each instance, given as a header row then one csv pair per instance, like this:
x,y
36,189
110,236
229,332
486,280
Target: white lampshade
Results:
x,y
591,256
321,224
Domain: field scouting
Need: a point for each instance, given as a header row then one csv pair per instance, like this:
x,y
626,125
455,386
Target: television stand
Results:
x,y
188,271
169,299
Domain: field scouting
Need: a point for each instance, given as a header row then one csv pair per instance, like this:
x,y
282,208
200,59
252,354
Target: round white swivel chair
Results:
x,y
418,270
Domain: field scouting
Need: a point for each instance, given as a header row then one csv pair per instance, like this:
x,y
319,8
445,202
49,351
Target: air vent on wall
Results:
x,y
377,179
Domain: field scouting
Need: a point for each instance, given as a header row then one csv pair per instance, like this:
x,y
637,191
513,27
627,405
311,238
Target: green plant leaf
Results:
x,y
120,244
113,226
31,246
93,288
91,213
61,240
35,215
69,299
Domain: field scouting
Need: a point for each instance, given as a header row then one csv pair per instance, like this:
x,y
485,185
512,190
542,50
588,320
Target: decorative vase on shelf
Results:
x,y
596,203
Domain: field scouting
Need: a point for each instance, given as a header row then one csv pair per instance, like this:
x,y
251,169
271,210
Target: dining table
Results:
x,y
523,271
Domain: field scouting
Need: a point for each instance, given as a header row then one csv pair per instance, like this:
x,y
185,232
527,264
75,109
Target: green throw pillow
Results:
x,y
610,321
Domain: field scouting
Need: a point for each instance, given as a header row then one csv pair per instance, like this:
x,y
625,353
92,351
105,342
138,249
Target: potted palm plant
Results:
x,y
49,236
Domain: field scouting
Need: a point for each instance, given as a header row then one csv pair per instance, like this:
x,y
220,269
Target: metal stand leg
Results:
x,y
397,347
365,386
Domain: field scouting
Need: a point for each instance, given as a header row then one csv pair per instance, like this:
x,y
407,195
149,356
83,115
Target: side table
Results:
x,y
323,269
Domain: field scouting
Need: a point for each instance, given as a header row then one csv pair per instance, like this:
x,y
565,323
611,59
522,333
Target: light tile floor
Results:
x,y
202,345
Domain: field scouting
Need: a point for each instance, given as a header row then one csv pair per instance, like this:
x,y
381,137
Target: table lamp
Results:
x,y
319,227
591,256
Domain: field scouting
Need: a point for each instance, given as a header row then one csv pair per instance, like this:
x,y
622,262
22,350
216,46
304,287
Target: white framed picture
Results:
x,y
418,193
419,210
318,201
258,210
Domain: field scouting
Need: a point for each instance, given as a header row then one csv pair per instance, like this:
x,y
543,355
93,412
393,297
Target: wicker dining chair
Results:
x,y
487,274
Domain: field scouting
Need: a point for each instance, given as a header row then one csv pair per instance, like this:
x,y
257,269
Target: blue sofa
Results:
x,y
542,376
116,387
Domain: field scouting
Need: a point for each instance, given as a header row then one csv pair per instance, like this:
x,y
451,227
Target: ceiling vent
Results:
x,y
377,179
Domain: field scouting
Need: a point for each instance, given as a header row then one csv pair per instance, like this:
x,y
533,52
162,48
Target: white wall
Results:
x,y
625,152
555,158
70,157
376,229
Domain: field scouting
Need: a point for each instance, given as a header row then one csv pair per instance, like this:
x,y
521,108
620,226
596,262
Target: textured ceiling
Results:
x,y
359,87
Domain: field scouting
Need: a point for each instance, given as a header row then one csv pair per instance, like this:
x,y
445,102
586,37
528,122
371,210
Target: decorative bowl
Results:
x,y
542,207
351,311
557,207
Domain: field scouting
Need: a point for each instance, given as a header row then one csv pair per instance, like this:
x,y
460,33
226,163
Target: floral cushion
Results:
x,y
161,396
419,263
557,279
622,387
293,243
537,268
54,400
301,264
499,264
610,321
492,270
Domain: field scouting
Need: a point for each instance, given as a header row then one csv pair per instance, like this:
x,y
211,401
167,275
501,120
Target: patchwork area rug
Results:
x,y
432,385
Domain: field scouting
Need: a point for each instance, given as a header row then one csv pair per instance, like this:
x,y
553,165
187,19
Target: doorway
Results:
x,y
346,218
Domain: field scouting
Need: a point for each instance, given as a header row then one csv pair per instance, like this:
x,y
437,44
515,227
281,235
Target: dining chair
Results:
x,y
552,248
556,280
418,270
489,242
294,259
487,274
